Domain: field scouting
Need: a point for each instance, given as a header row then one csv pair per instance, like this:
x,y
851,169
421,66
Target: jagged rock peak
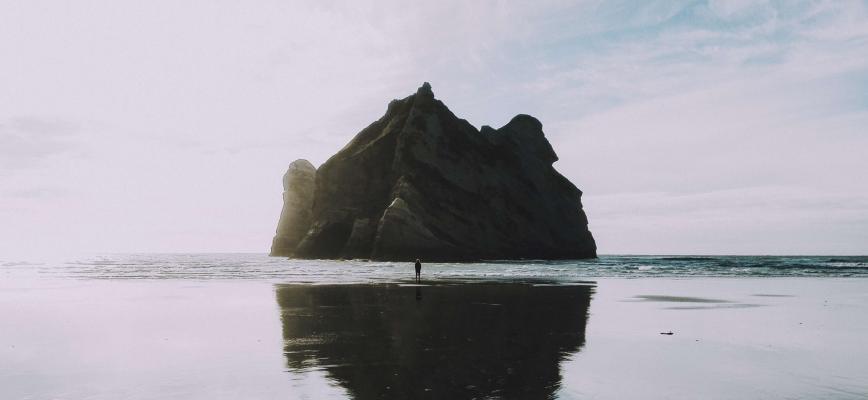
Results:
x,y
423,183
425,90
525,122
298,169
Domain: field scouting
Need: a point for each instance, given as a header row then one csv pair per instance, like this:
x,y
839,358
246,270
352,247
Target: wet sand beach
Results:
x,y
732,338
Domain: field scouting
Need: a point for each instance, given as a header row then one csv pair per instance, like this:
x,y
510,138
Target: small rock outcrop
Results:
x,y
298,190
423,183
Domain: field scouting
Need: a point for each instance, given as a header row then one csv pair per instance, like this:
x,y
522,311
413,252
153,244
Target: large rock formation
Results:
x,y
422,183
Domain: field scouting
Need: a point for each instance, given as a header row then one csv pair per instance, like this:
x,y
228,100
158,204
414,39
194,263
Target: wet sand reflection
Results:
x,y
443,341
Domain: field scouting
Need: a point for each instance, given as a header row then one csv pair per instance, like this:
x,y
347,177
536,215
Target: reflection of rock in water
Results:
x,y
462,341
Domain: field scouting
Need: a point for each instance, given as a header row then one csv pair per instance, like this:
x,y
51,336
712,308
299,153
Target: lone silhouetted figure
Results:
x,y
418,270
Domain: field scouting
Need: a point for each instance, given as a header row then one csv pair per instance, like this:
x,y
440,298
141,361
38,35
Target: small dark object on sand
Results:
x,y
667,333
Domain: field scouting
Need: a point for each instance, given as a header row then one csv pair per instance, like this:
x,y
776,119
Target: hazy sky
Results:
x,y
734,127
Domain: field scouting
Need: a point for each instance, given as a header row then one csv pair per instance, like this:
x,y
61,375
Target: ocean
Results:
x,y
278,269
249,326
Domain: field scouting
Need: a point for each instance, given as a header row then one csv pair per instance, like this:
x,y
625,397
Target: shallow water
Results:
x,y
262,267
253,327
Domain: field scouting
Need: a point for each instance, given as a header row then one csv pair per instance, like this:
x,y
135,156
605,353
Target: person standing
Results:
x,y
418,270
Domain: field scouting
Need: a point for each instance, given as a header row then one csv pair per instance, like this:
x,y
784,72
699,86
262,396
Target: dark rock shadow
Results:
x,y
455,342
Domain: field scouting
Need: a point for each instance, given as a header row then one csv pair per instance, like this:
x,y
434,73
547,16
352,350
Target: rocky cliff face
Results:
x,y
422,183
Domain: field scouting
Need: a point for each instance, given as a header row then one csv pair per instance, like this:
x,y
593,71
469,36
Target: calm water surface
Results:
x,y
202,326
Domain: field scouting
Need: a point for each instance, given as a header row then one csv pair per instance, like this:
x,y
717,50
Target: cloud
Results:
x,y
727,9
33,193
768,220
693,48
26,142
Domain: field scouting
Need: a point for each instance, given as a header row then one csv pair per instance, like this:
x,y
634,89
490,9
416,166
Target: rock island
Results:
x,y
423,183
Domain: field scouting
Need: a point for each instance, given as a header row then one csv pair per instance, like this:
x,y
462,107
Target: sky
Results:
x,y
692,127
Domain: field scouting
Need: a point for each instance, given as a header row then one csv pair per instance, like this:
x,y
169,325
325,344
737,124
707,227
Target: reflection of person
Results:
x,y
418,270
